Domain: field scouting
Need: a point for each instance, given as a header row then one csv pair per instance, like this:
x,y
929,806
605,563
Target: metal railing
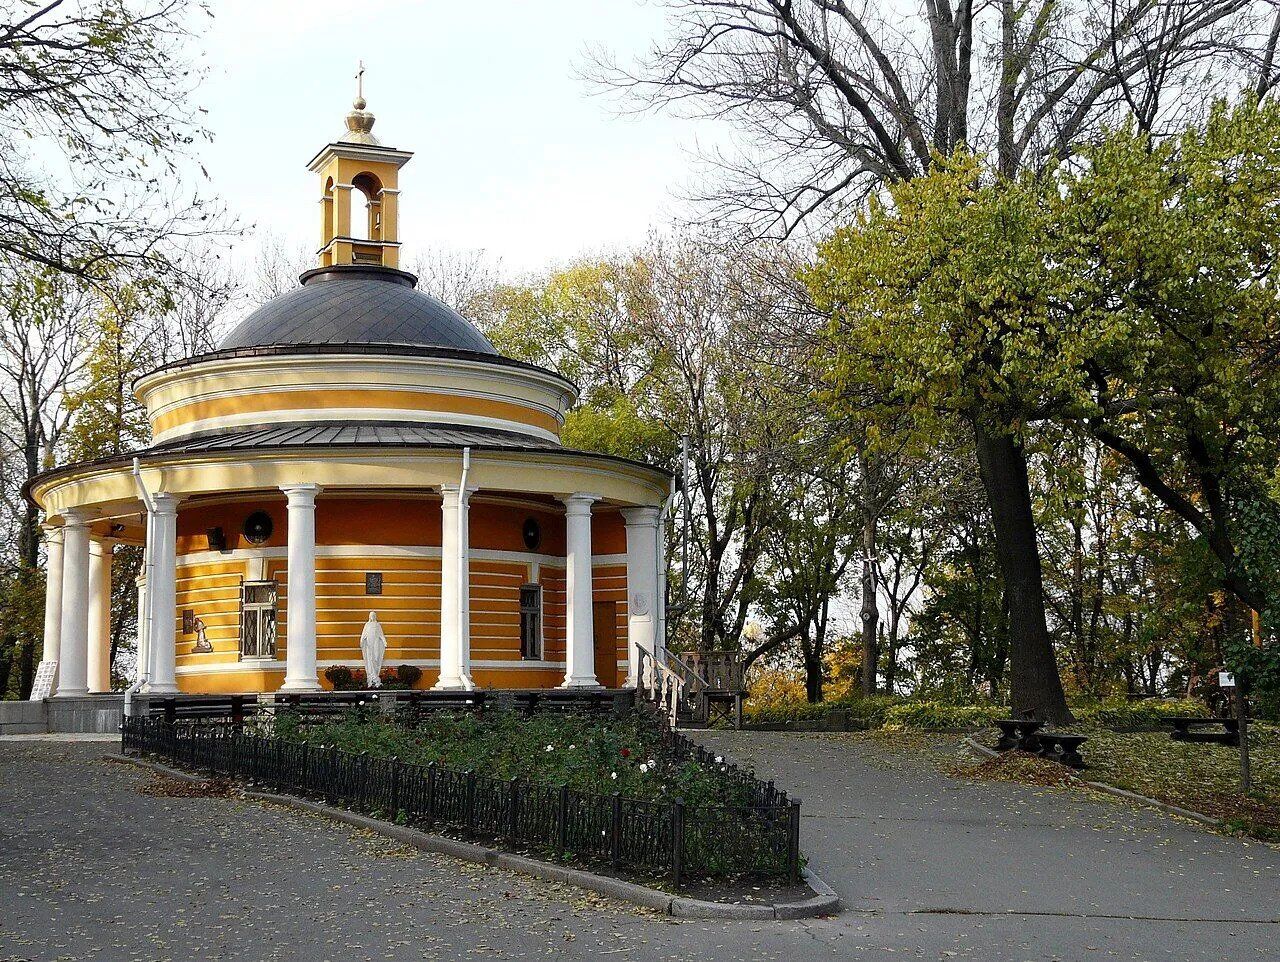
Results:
x,y
649,837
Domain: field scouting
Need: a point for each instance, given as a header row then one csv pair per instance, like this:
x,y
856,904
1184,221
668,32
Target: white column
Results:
x,y
142,670
99,673
580,655
162,632
660,562
146,660
455,589
73,646
300,631
642,585
52,592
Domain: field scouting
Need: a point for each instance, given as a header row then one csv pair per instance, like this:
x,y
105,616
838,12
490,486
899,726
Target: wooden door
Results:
x,y
605,618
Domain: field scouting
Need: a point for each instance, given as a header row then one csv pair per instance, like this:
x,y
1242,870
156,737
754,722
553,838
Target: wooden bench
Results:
x,y
1188,730
1062,747
175,708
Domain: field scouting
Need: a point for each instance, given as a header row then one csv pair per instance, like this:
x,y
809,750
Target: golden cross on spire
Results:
x,y
360,81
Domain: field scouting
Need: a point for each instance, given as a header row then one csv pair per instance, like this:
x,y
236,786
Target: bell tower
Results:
x,y
357,164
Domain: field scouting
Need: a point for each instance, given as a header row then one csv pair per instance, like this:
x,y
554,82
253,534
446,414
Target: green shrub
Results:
x,y
940,716
408,675
1147,713
870,710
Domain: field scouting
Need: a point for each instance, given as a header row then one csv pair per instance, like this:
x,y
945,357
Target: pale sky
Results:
x,y
514,154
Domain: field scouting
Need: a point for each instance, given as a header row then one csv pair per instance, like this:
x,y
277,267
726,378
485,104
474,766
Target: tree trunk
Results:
x,y
1035,687
7,655
812,677
870,613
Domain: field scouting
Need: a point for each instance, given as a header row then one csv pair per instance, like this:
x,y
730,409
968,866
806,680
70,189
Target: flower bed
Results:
x,y
620,791
623,754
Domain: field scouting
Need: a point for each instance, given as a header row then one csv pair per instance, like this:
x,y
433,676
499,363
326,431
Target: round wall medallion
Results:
x,y
532,534
257,527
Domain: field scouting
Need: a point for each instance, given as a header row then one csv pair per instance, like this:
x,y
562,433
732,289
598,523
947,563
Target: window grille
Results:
x,y
258,619
531,621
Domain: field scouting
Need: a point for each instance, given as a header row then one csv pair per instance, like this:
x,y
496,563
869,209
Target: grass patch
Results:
x,y
1202,777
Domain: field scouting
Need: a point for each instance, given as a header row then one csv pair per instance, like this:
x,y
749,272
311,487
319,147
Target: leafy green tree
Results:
x,y
1129,296
101,88
931,301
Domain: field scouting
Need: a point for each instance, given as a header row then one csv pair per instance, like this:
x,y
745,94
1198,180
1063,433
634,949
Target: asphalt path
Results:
x,y
98,861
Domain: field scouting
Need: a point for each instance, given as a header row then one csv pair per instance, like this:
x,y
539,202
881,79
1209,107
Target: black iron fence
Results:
x,y
649,838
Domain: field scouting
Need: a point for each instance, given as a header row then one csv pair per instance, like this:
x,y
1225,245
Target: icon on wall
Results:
x,y
373,583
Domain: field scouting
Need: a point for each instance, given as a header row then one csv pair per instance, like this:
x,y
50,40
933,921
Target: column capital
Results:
x,y
645,516
579,503
455,490
52,532
76,517
164,503
301,495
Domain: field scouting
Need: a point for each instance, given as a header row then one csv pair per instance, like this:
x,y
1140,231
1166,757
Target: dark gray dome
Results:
x,y
355,304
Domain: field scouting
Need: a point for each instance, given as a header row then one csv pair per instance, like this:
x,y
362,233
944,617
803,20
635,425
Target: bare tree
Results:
x,y
463,279
832,99
43,329
277,267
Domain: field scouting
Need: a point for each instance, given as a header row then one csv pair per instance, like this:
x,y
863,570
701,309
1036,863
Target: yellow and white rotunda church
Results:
x,y
355,446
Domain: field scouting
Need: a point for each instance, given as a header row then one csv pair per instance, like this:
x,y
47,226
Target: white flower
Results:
x,y
551,748
614,776
719,759
572,747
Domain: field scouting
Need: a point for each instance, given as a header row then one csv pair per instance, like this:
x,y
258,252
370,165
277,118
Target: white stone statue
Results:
x,y
202,639
373,643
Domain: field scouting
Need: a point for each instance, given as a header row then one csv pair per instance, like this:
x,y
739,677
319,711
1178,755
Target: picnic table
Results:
x,y
1028,735
1190,729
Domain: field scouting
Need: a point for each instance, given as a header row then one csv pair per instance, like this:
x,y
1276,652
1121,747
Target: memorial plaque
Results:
x,y
42,686
373,583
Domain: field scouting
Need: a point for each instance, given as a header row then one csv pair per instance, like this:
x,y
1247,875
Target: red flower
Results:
x,y
626,753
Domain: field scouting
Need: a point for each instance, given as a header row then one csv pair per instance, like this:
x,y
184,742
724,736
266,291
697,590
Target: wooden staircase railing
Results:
x,y
694,683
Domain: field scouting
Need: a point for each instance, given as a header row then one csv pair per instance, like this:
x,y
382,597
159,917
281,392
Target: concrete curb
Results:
x,y
824,902
1120,792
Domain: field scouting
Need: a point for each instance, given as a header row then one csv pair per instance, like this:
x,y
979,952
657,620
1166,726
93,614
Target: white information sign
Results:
x,y
42,686
1226,679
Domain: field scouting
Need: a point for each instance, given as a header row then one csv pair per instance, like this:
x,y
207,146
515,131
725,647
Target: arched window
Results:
x,y
366,218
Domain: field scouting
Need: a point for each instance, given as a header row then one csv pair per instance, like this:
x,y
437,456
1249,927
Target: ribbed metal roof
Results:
x,y
354,304
352,433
